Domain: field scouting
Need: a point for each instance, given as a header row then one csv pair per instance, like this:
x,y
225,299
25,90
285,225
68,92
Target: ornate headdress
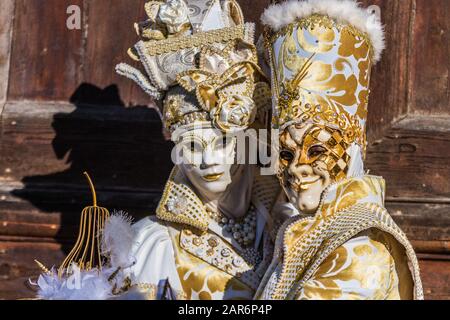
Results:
x,y
199,58
321,53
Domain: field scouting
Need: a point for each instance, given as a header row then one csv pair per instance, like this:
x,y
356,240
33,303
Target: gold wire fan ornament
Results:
x,y
87,250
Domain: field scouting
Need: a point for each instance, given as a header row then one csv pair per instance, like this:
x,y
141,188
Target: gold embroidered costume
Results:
x,y
340,242
199,58
209,263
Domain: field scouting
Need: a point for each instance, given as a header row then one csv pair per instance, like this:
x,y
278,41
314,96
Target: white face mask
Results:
x,y
208,156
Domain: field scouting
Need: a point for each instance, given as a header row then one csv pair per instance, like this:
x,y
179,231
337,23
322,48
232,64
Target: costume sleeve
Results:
x,y
155,261
364,268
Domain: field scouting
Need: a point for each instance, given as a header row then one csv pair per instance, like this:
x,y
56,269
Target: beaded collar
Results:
x,y
180,204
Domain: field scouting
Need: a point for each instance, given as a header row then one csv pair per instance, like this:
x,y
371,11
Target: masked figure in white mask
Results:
x,y
338,242
209,239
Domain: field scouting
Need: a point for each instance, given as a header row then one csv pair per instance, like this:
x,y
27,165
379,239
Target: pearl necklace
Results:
x,y
243,231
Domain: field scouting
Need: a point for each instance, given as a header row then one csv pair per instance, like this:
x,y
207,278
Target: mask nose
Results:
x,y
208,159
300,171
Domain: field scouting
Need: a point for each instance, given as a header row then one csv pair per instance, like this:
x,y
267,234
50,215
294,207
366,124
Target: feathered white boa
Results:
x,y
95,284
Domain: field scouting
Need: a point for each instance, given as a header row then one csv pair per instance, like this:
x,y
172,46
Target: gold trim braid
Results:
x,y
199,39
301,264
361,218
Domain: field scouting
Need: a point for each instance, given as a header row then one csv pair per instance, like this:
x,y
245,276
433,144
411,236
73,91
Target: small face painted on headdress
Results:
x,y
311,157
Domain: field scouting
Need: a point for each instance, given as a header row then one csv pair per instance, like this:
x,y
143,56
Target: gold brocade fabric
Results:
x,y
315,257
321,73
369,266
209,266
203,281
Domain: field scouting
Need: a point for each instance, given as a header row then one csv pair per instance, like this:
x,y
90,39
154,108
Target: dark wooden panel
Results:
x,y
17,265
108,41
54,213
436,279
46,56
253,11
414,159
422,223
124,148
55,143
6,12
388,98
430,65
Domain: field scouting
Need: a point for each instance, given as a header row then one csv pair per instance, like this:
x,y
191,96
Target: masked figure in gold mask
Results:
x,y
338,242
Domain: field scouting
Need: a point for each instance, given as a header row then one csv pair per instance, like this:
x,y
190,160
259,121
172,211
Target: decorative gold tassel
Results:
x,y
87,250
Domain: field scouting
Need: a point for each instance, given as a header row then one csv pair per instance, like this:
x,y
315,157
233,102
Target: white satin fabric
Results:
x,y
154,254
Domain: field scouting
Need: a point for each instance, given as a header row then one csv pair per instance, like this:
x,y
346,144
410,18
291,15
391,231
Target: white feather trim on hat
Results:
x,y
280,15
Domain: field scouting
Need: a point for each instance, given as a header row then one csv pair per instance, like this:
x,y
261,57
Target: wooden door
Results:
x,y
64,110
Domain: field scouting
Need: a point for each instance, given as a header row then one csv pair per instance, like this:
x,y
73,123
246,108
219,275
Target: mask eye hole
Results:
x,y
223,142
316,151
286,155
194,146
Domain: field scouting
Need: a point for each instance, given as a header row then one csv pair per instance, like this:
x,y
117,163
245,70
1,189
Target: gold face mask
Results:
x,y
320,143
312,156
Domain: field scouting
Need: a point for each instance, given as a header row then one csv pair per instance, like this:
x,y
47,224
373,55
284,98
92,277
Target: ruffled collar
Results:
x,y
180,204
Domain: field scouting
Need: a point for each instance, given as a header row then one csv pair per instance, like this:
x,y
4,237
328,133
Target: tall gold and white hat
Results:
x,y
199,58
321,53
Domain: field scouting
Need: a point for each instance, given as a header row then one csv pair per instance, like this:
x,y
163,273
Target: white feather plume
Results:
x,y
117,240
80,285
95,284
280,15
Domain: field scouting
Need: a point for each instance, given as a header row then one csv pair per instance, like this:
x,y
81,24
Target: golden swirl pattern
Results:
x,y
321,73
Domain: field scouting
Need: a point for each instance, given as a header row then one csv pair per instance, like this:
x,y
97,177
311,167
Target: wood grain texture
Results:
x,y
46,56
67,111
436,279
54,143
388,99
413,157
6,12
109,21
429,85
